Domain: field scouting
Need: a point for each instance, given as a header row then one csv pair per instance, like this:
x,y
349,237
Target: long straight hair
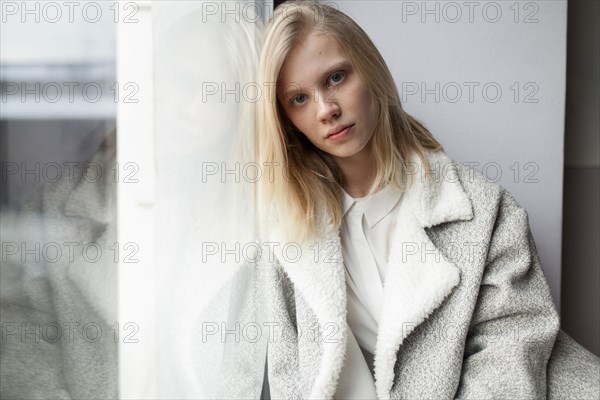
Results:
x,y
305,191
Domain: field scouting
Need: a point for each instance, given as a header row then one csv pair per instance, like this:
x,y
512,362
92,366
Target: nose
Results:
x,y
328,106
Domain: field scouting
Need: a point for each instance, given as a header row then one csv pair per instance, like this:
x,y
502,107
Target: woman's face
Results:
x,y
322,95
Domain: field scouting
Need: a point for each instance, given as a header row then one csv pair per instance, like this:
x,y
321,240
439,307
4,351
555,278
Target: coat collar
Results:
x,y
418,277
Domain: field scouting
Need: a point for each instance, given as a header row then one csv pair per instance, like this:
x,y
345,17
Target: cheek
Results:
x,y
302,121
292,117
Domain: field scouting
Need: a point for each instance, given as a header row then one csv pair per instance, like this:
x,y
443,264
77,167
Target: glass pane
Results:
x,y
58,200
208,311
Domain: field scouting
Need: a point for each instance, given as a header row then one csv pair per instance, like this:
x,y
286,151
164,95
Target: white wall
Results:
x,y
499,44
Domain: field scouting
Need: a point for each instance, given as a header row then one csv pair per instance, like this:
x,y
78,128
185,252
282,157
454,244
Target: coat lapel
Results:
x,y
318,275
418,278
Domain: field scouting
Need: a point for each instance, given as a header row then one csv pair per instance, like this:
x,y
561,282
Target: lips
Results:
x,y
337,129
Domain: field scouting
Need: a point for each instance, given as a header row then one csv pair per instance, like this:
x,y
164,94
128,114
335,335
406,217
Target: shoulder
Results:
x,y
491,204
485,195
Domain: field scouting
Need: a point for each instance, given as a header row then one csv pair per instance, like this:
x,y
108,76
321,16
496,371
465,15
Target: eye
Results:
x,y
337,77
299,99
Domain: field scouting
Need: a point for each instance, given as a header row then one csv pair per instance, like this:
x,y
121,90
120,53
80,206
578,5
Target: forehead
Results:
x,y
308,60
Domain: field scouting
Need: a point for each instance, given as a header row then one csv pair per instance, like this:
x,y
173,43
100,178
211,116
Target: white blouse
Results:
x,y
366,235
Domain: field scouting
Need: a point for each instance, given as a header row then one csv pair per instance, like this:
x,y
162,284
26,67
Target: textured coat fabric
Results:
x,y
467,311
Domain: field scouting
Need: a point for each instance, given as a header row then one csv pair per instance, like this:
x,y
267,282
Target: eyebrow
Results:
x,y
293,88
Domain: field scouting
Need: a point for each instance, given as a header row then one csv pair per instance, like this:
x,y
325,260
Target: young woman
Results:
x,y
398,273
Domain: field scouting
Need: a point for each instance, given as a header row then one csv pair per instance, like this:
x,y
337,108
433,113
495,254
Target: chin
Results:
x,y
344,154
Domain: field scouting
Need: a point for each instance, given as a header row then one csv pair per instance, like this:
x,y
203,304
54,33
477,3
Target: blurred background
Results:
x,y
58,293
106,130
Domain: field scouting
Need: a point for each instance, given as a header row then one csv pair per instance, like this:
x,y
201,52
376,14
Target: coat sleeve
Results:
x,y
514,323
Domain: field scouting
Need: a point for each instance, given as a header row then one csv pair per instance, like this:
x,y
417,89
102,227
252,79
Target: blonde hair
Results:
x,y
306,190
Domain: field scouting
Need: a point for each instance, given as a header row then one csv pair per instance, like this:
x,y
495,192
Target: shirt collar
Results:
x,y
375,206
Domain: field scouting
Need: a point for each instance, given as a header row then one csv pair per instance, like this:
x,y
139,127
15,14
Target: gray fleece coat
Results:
x,y
467,311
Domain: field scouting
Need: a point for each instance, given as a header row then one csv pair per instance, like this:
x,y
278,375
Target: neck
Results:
x,y
358,173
